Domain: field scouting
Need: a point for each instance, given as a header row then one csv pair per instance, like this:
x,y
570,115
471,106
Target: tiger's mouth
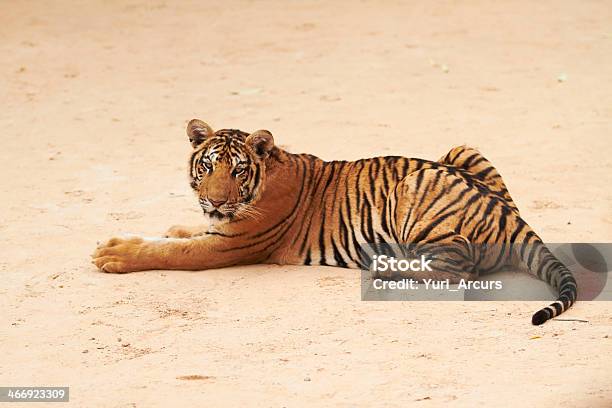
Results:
x,y
220,215
232,211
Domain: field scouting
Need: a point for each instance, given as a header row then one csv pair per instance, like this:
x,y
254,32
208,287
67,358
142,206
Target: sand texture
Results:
x,y
95,96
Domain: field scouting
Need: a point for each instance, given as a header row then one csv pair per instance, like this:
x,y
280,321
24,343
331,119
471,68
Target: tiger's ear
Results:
x,y
261,142
198,131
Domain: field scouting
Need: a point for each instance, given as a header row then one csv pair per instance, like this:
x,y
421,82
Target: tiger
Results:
x,y
265,205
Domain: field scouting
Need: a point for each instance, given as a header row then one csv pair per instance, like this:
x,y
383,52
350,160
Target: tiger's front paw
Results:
x,y
121,255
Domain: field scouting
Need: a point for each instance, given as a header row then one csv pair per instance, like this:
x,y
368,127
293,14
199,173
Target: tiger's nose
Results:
x,y
217,203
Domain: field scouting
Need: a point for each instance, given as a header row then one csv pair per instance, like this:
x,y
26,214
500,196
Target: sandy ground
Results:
x,y
95,97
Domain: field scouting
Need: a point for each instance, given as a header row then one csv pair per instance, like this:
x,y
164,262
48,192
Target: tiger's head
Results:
x,y
227,169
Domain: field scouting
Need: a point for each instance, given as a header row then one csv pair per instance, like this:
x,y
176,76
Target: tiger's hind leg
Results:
x,y
471,160
427,223
449,259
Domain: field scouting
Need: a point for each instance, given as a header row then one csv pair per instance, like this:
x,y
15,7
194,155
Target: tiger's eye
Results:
x,y
240,169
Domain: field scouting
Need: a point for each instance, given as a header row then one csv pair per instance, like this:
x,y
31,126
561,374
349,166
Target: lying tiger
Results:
x,y
266,205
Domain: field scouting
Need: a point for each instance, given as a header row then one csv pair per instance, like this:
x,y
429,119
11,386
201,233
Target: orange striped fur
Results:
x,y
266,205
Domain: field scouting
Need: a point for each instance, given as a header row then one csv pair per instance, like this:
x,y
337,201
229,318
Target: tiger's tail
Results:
x,y
538,259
